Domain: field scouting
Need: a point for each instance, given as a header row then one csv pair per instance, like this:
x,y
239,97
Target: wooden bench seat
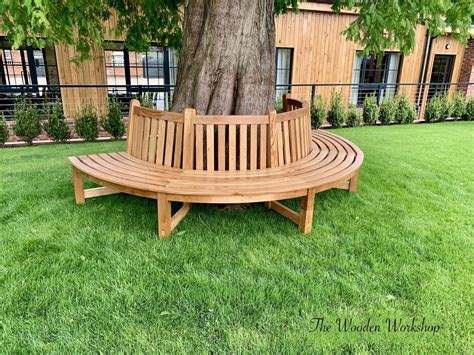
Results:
x,y
216,173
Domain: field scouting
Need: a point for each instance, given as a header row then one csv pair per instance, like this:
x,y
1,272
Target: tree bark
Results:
x,y
227,62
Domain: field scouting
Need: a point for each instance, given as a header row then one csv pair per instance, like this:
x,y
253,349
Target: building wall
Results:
x,y
467,69
90,72
320,55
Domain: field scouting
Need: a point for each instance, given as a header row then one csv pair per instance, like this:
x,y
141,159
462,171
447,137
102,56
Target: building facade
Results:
x,y
311,49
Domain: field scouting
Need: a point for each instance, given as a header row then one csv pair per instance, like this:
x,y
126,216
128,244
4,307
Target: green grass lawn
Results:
x,y
96,278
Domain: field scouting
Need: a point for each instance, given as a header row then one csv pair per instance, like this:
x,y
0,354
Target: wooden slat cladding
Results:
x,y
90,72
322,55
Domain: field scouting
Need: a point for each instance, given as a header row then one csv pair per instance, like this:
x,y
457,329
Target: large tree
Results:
x,y
227,47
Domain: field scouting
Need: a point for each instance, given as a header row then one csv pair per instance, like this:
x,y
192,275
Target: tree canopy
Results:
x,y
382,24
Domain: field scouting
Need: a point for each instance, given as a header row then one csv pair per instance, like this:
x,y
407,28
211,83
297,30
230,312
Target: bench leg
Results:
x,y
306,214
164,216
304,219
78,186
353,182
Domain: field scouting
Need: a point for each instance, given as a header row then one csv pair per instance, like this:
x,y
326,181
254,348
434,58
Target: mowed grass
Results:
x,y
95,277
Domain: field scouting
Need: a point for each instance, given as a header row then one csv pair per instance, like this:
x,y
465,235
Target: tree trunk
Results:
x,y
227,62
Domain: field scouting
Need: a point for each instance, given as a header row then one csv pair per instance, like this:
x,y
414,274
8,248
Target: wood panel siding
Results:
x,y
90,72
321,55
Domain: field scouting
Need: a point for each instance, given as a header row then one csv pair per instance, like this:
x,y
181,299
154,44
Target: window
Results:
x,y
27,65
26,70
284,58
153,62
374,76
173,65
440,74
39,63
117,59
8,56
132,73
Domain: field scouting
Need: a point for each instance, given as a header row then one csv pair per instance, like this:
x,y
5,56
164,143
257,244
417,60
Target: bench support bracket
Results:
x,y
304,219
81,194
351,184
166,221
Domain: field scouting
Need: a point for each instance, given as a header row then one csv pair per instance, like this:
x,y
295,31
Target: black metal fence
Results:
x,y
73,97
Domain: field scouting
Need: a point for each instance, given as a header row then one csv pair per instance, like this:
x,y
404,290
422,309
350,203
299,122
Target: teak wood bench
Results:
x,y
222,159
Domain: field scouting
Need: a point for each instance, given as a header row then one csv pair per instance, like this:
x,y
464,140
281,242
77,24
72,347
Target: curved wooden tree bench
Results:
x,y
222,159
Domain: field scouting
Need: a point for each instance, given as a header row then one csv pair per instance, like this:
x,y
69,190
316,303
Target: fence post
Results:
x,y
426,98
139,91
313,94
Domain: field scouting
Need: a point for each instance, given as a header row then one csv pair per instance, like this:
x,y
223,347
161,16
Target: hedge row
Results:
x,y
28,125
391,110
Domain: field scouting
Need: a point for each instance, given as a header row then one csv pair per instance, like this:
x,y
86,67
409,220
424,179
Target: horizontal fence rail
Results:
x,y
73,97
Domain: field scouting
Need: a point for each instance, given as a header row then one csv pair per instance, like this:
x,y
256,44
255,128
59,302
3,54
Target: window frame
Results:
x,y
448,74
119,46
378,88
284,88
29,68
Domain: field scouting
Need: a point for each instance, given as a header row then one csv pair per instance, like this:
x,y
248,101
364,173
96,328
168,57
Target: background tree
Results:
x,y
227,47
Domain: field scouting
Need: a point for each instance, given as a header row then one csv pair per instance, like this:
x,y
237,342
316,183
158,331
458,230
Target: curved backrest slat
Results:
x,y
220,143
155,136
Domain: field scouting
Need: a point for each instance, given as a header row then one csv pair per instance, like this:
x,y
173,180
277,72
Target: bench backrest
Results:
x,y
220,143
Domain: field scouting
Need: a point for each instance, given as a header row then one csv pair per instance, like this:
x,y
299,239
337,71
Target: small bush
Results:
x,y
112,122
458,105
446,107
279,105
354,118
27,125
434,109
87,123
387,111
318,113
370,111
469,111
56,126
145,101
406,112
3,131
336,111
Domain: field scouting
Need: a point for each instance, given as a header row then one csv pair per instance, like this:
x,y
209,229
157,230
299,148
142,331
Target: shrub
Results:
x,y
112,122
87,123
387,111
145,101
458,105
318,113
469,111
56,127
336,111
3,131
27,125
446,107
406,112
279,105
434,109
353,118
370,111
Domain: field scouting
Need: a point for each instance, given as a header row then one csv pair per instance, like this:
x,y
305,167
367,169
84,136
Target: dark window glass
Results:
x,y
374,76
27,70
141,73
440,74
284,58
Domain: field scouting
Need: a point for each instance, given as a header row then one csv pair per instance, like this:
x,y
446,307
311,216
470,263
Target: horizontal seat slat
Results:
x,y
118,169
